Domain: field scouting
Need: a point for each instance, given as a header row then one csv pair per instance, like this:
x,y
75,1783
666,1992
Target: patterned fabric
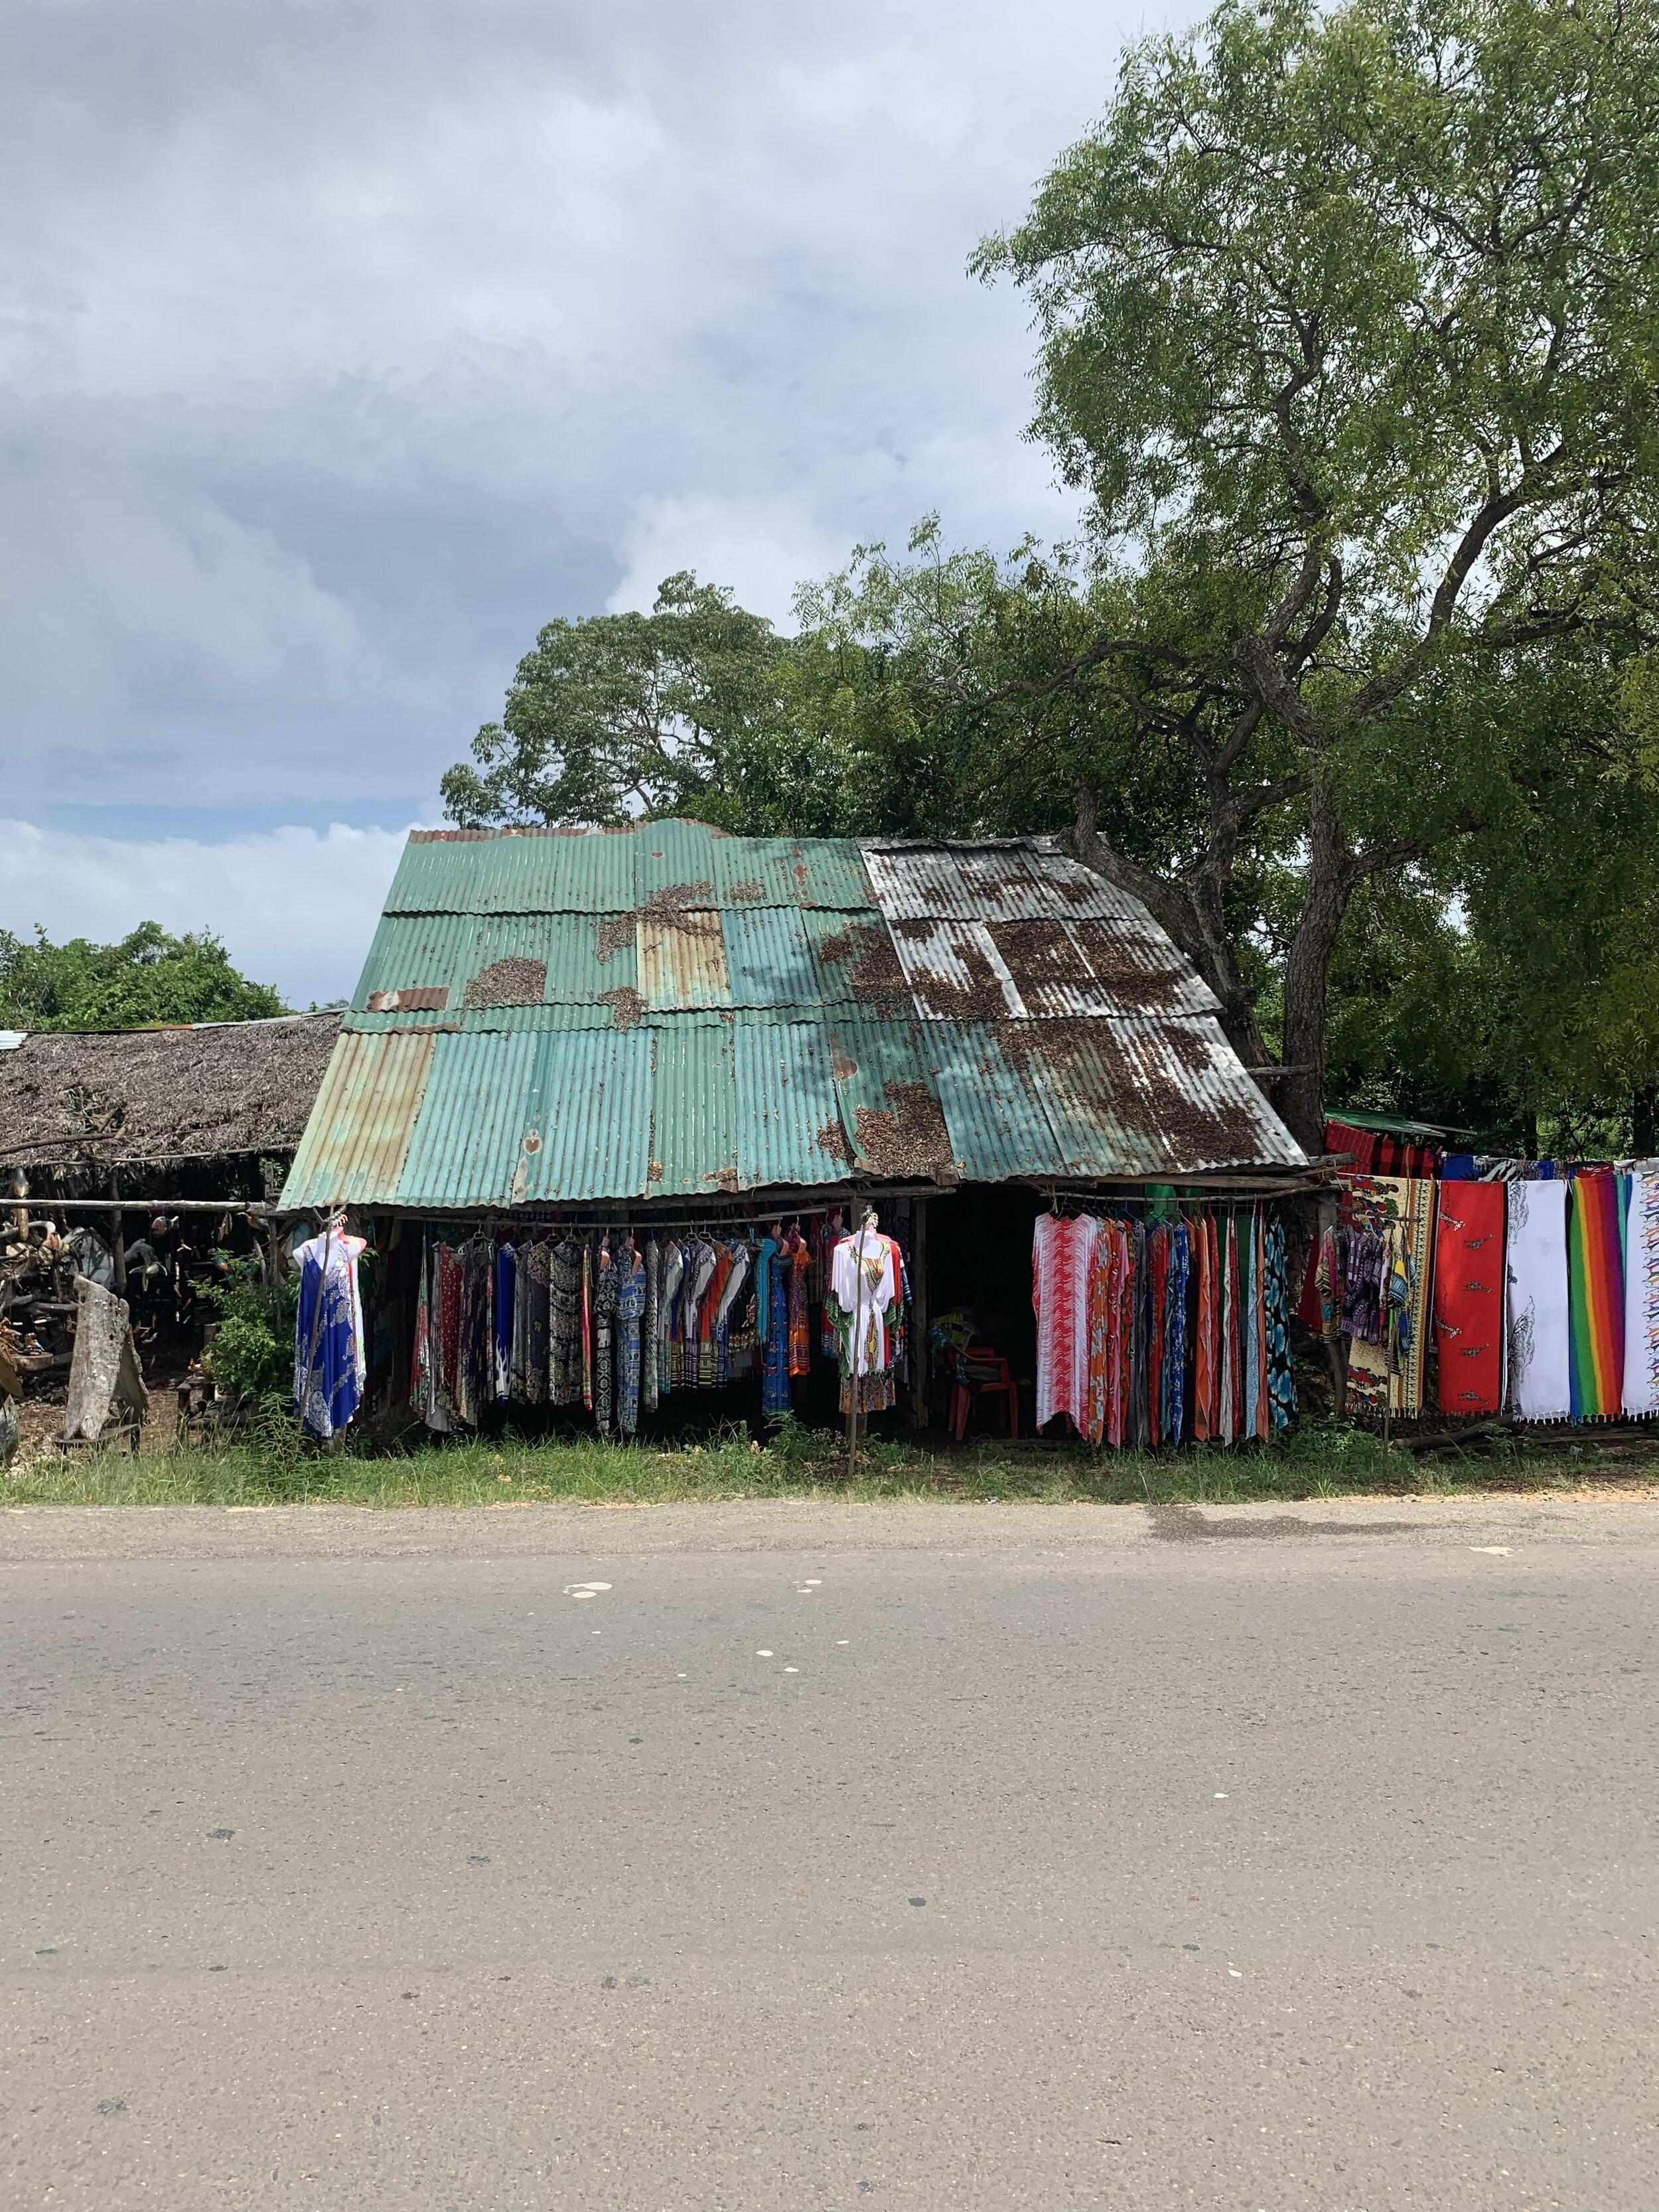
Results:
x,y
1640,1383
586,1327
800,1338
538,1263
1400,1212
1252,1406
1174,1407
1595,1296
1228,1387
1281,1378
648,1388
1204,1324
668,1306
775,1399
506,1284
606,1285
449,1324
329,1366
1469,1282
1137,1424
1062,1263
1540,1366
1157,1263
1101,1293
630,1314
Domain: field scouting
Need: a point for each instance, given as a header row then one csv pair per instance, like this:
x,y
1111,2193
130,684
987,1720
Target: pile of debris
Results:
x,y
63,1333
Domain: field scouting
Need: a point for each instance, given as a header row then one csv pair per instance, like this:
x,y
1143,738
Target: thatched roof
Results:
x,y
72,1099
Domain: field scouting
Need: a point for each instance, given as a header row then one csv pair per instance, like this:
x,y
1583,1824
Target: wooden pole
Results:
x,y
920,1376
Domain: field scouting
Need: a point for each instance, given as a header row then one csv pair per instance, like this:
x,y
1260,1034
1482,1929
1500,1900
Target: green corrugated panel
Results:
x,y
532,1117
694,1109
674,856
994,1115
767,959
537,871
826,872
357,1137
856,964
890,1104
481,1101
593,1090
449,952
789,1127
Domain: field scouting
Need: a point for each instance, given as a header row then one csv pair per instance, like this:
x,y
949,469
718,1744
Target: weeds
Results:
x,y
269,1464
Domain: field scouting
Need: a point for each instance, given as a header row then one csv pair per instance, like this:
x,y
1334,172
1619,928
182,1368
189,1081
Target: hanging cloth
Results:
x,y
1174,1409
630,1292
649,1382
1540,1380
330,1367
1203,1248
1595,1296
1468,1297
1281,1376
507,1273
1062,1263
1641,1384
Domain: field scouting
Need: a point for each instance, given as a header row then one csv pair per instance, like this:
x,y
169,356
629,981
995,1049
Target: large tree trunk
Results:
x,y
1331,880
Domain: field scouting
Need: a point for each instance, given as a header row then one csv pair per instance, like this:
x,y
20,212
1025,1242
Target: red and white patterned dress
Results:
x,y
1062,1266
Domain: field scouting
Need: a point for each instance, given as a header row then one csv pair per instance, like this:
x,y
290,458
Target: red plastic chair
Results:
x,y
982,1374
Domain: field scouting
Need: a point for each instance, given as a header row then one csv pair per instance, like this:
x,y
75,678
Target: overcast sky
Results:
x,y
346,341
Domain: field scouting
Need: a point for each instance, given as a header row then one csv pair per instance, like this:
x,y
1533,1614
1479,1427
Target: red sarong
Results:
x,y
1468,1297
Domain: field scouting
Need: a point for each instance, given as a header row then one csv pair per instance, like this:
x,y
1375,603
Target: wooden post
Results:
x,y
117,1242
921,1375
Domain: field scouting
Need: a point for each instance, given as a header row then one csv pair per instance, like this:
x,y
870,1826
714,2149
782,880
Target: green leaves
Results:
x,y
624,713
148,977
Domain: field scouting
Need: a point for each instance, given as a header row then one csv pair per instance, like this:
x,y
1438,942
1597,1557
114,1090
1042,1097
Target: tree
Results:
x,y
616,714
1347,324
150,977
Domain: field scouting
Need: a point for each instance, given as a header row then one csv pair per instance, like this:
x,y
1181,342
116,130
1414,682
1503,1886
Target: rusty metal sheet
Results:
x,y
358,1134
677,857
682,962
789,872
954,970
459,953
1160,1098
997,1126
889,1102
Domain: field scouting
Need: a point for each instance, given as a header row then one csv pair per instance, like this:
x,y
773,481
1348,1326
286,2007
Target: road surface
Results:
x,y
779,1856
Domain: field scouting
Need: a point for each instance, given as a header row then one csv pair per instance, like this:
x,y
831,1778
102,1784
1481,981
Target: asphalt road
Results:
x,y
929,1856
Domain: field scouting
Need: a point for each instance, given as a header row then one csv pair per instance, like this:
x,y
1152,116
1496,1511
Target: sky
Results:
x,y
344,342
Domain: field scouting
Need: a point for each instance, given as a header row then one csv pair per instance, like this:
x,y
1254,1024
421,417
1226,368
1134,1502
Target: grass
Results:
x,y
1320,1460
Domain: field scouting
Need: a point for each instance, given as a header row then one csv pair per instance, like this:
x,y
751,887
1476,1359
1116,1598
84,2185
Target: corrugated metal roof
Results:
x,y
715,1013
514,871
789,872
683,962
694,1109
789,1128
357,1138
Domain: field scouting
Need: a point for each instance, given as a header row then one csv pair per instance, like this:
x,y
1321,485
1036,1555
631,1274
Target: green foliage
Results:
x,y
251,1355
617,713
148,977
1348,320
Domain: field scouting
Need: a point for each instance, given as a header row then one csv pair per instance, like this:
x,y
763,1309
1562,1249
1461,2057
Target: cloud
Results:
x,y
295,907
349,343
761,547
346,341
